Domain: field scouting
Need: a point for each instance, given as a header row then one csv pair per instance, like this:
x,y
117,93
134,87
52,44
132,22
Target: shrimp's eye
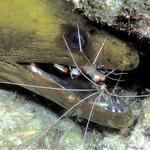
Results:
x,y
73,40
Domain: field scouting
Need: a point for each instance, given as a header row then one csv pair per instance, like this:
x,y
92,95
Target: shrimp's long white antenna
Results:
x,y
109,73
89,118
124,96
102,45
81,50
79,37
80,45
51,126
46,87
100,50
113,72
117,82
129,96
114,79
77,64
120,73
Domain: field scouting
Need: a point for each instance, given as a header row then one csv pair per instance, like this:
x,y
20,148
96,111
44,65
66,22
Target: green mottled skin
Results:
x,y
31,31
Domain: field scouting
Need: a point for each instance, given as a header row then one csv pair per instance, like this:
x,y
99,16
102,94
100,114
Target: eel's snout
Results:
x,y
109,52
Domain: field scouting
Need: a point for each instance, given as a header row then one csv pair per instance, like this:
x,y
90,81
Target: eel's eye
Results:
x,y
73,40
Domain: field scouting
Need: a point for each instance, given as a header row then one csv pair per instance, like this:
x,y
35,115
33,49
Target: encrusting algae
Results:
x,y
132,16
22,120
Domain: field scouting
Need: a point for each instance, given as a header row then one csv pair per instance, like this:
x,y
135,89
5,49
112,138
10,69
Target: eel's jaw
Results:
x,y
77,85
61,80
68,99
45,85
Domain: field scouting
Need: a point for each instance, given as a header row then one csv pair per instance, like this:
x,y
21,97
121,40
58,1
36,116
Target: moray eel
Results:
x,y
31,32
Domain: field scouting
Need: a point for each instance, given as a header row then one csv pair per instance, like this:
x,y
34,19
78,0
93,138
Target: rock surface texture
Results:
x,y
22,121
132,16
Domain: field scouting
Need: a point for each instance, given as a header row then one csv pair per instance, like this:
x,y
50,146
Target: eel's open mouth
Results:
x,y
79,94
79,86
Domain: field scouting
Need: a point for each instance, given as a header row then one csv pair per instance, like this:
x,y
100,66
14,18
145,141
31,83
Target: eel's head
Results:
x,y
113,53
31,31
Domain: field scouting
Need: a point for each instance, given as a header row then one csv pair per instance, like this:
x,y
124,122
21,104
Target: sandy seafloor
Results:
x,y
22,121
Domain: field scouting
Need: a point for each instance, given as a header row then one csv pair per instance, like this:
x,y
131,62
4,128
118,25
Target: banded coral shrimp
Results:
x,y
100,91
